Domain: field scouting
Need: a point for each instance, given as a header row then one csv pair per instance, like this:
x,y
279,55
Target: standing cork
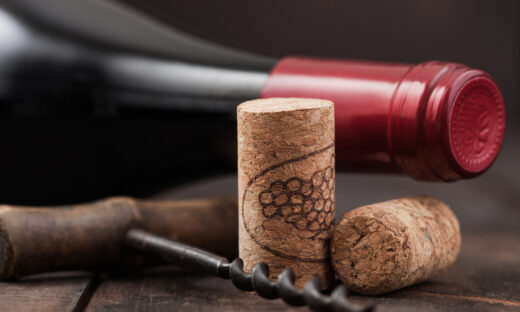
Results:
x,y
390,245
286,185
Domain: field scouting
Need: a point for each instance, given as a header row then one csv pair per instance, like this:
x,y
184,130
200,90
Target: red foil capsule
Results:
x,y
433,121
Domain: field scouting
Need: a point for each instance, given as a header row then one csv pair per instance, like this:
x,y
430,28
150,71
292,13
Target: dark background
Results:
x,y
479,33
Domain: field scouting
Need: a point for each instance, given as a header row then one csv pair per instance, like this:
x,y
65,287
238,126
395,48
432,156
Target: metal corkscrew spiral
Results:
x,y
206,262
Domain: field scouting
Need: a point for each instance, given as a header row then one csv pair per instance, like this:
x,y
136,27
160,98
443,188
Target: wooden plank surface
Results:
x,y
67,291
171,289
486,276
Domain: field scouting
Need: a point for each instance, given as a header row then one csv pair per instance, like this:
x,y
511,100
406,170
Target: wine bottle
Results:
x,y
434,121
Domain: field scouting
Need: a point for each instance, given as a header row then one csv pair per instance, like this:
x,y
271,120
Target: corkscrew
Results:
x,y
203,261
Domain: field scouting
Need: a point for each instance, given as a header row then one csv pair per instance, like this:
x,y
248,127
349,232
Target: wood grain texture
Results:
x,y
486,276
172,289
50,292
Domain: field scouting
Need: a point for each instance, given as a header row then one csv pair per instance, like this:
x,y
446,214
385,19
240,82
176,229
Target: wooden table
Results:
x,y
485,277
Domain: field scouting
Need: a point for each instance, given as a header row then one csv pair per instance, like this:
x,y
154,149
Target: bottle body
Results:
x,y
147,122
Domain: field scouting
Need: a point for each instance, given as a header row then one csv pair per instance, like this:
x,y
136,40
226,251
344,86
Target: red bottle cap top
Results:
x,y
476,126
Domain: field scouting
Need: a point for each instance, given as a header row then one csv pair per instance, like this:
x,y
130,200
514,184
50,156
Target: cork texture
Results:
x,y
286,185
386,246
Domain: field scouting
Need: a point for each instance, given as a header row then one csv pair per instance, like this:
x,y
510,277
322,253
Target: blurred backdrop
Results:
x,y
89,150
482,34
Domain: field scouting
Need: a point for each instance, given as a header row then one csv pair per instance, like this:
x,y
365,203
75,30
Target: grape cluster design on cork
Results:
x,y
306,204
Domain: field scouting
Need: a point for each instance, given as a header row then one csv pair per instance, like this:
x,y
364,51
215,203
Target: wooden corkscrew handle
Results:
x,y
91,236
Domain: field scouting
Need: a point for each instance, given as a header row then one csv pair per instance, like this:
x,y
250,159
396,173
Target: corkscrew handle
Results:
x,y
201,260
90,236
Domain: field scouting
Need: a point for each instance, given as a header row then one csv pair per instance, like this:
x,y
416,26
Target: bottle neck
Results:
x,y
434,121
362,93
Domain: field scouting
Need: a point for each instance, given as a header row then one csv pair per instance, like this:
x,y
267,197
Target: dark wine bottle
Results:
x,y
433,121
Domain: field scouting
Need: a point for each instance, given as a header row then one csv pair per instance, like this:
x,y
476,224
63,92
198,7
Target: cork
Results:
x,y
286,186
386,246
